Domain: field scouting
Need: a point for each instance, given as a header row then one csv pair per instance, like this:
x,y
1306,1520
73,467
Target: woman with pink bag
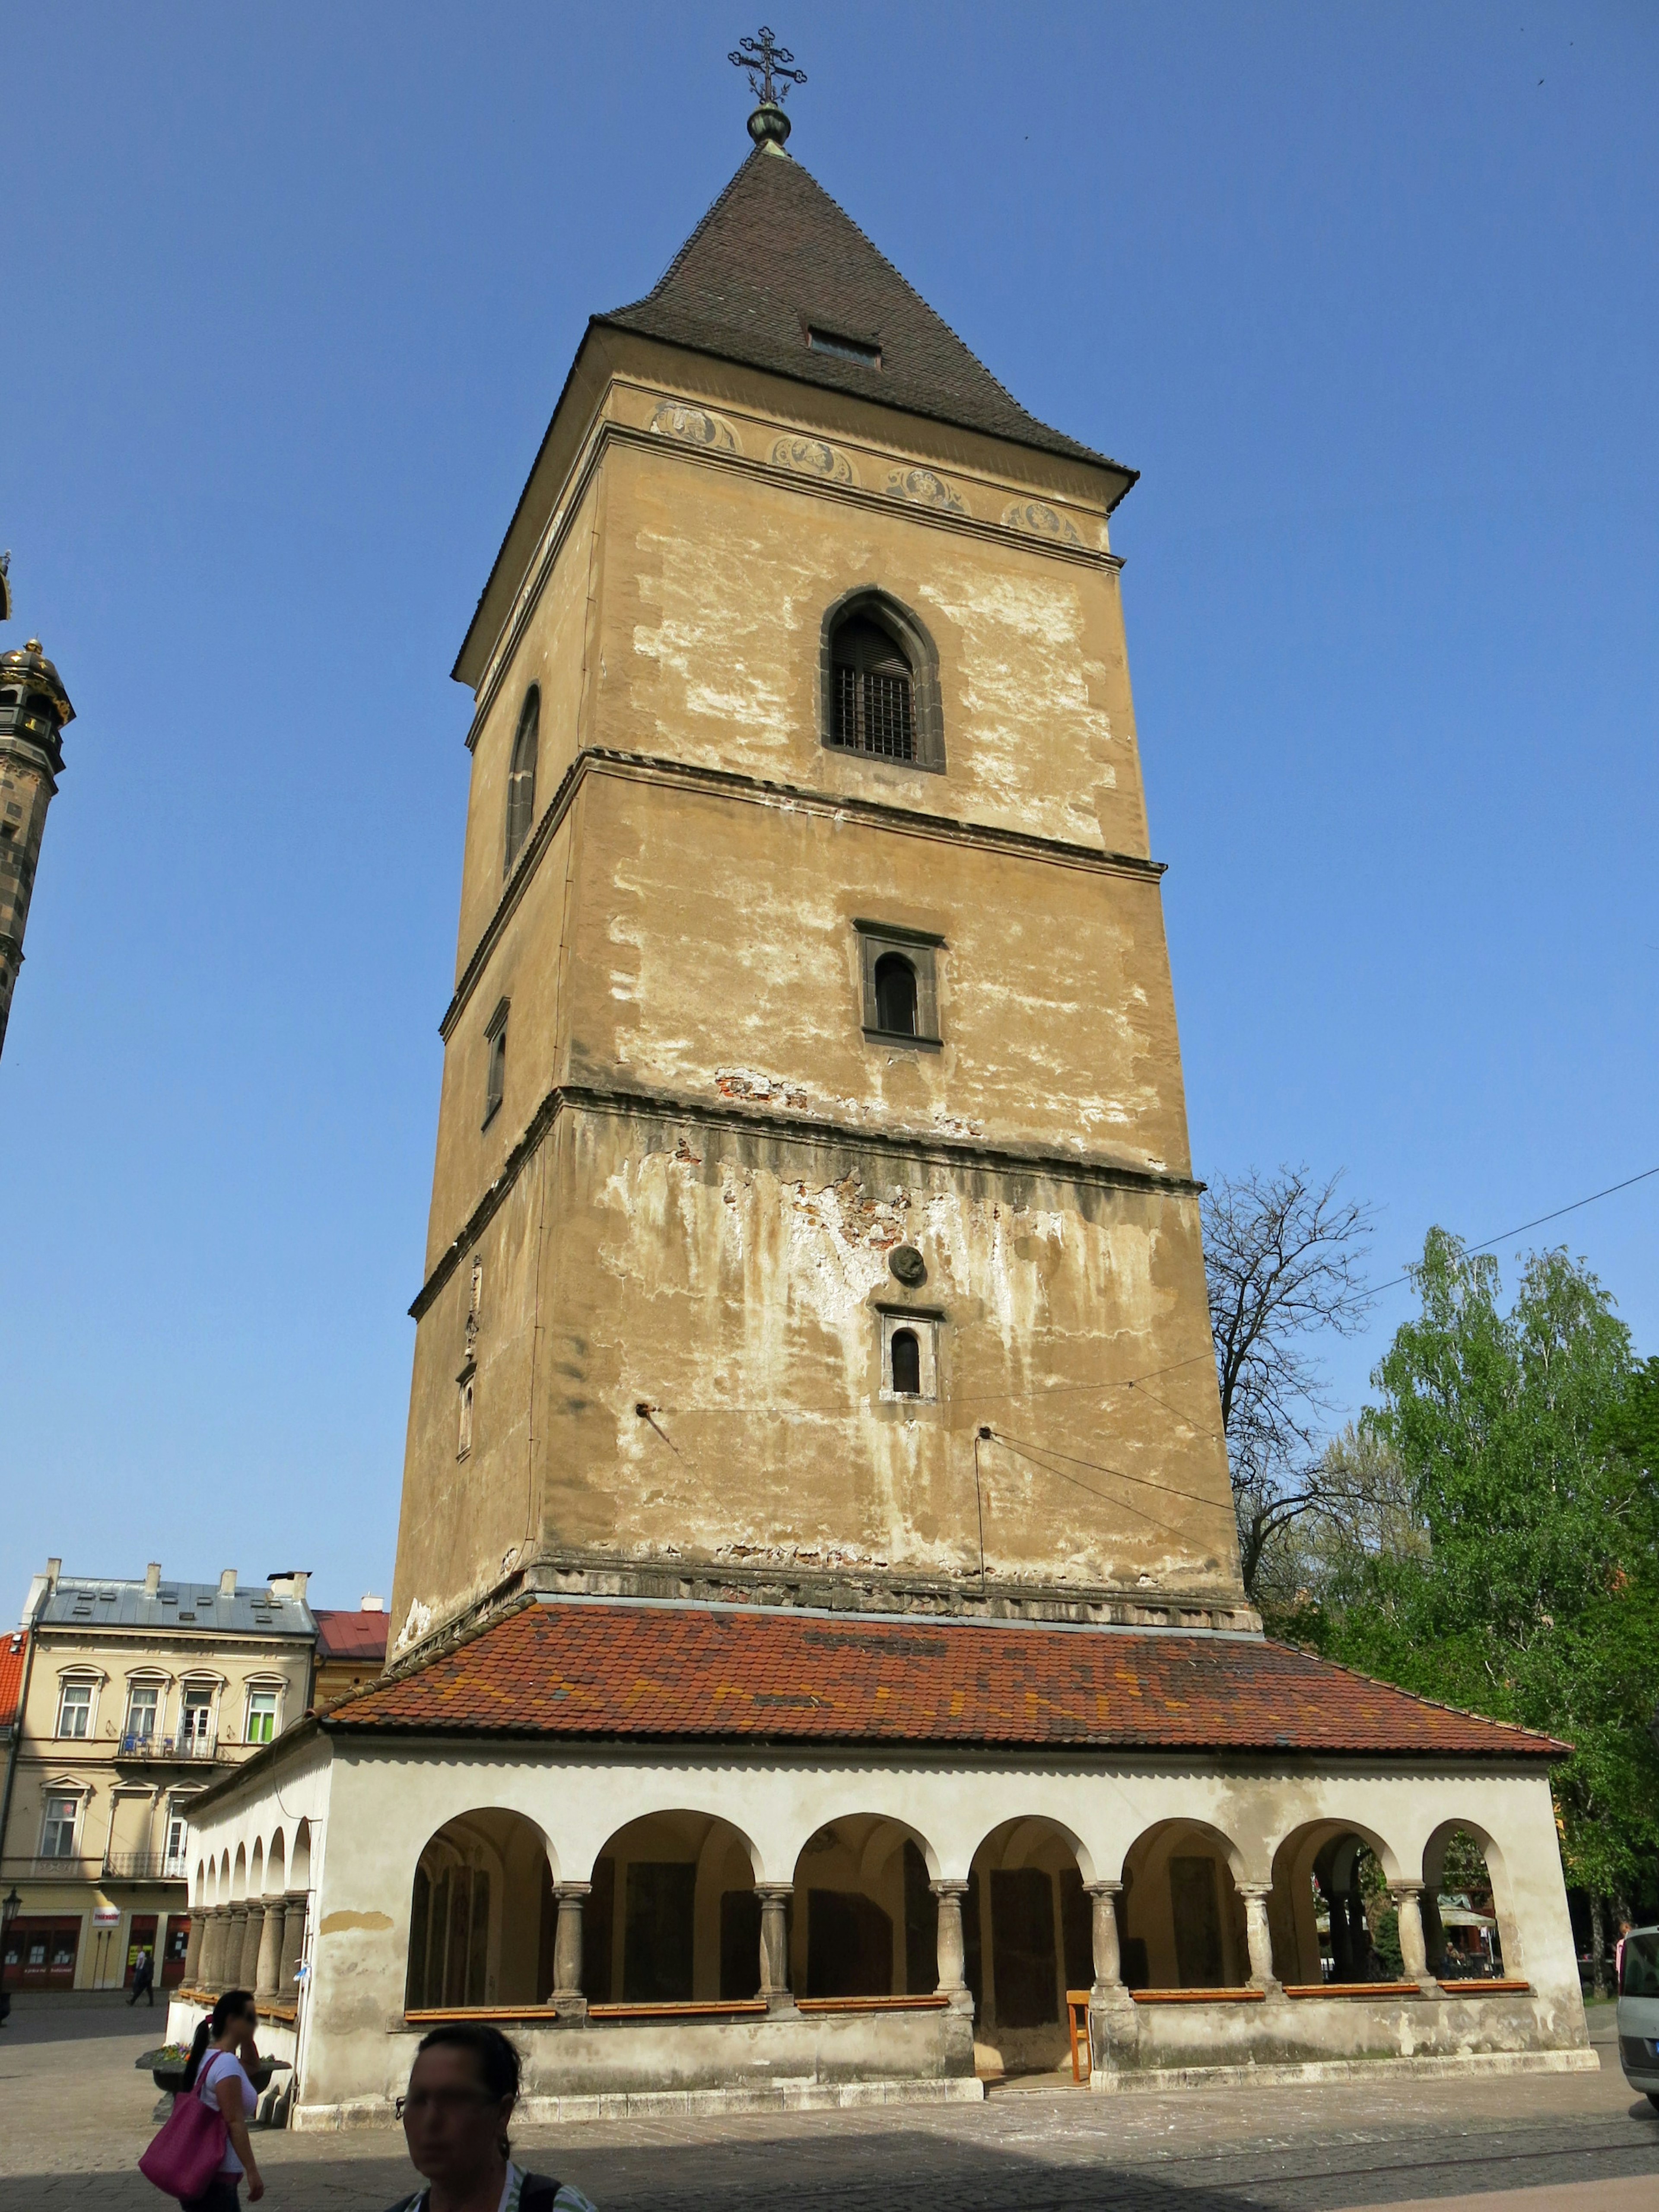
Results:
x,y
204,2151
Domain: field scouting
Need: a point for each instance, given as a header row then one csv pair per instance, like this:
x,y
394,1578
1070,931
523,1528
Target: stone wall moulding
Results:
x,y
1042,520
811,456
694,426
923,489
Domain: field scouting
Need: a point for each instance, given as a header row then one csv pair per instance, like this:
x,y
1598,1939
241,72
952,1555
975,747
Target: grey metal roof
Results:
x,y
77,1602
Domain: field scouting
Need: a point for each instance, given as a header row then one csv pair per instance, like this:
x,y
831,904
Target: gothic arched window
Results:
x,y
880,683
521,775
895,995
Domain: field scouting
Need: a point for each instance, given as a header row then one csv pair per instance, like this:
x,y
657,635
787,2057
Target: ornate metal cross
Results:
x,y
770,75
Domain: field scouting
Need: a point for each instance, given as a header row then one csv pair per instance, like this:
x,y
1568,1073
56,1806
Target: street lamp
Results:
x,y
10,1906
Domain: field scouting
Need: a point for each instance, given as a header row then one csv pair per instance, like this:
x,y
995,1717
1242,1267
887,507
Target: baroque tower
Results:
x,y
35,710
813,1220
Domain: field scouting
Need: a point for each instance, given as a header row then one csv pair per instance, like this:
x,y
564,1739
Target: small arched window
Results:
x,y
907,1363
873,692
521,775
895,995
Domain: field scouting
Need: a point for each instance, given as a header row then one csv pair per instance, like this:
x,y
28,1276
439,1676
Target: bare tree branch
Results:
x,y
1284,1258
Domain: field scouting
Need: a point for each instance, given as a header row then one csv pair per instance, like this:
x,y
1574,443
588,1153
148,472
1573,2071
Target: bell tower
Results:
x,y
34,709
814,1222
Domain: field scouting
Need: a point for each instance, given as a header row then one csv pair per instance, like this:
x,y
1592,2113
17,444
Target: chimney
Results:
x,y
152,1578
54,1568
371,1603
291,1582
227,1582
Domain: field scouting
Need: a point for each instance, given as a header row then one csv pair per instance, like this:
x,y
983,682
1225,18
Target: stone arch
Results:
x,y
870,604
863,1918
1179,1926
299,1871
1465,1949
482,1915
277,1866
1316,1877
255,1869
1026,1939
672,1914
239,1876
201,1895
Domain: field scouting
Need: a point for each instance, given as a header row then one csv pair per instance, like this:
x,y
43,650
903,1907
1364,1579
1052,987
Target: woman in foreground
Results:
x,y
462,2089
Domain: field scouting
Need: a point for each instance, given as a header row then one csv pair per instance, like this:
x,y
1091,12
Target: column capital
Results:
x,y
774,1892
1251,1890
573,1889
1102,1889
948,1887
1406,1888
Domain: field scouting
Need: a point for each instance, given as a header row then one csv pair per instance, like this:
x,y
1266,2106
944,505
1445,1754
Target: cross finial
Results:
x,y
771,72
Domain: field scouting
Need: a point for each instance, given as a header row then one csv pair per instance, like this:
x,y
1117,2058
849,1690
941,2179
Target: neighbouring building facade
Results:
x,y
820,1668
350,1651
128,1697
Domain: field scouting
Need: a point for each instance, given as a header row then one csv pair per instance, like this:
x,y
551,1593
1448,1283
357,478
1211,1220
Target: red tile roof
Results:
x,y
555,1668
14,1650
360,1636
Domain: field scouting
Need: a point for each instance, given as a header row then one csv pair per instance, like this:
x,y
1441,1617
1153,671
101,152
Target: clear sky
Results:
x,y
1368,293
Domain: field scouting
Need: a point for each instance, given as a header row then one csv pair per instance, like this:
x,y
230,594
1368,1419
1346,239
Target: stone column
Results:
x,y
569,2002
1406,1897
253,1937
193,1948
267,1971
294,1939
774,1898
1255,1895
213,1946
1109,1963
952,1953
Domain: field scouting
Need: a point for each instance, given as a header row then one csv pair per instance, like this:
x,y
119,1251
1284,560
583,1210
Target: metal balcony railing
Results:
x,y
135,1745
144,1866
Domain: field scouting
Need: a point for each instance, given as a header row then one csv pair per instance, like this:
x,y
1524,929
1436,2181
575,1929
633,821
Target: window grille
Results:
x,y
874,711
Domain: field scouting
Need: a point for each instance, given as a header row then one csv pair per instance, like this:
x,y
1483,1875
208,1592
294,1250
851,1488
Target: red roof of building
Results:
x,y
13,1650
360,1636
557,1668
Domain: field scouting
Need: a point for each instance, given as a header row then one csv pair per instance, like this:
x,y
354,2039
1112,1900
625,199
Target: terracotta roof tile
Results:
x,y
557,1668
350,1635
14,1650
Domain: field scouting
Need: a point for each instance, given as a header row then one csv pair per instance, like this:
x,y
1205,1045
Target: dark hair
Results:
x,y
497,2059
229,2005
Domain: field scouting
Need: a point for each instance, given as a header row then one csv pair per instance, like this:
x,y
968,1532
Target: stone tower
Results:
x,y
34,709
813,1221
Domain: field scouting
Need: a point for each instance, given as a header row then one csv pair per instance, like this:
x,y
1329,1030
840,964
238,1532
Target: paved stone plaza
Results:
x,y
75,2113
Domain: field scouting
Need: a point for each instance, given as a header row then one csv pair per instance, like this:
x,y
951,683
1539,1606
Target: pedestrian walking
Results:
x,y
143,1981
462,2089
206,2136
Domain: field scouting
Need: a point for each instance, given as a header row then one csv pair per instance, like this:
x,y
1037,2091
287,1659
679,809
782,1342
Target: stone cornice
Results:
x,y
787,1127
791,798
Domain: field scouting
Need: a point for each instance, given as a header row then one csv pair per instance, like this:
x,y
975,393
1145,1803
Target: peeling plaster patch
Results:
x,y
343,1924
419,1620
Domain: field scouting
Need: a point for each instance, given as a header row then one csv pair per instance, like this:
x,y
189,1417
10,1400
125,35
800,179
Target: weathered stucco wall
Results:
x,y
684,933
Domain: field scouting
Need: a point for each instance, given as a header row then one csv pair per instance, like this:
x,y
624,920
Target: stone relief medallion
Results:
x,y
1044,521
923,489
693,427
813,457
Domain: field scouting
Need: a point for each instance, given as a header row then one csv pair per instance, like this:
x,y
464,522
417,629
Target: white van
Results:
x,y
1638,2012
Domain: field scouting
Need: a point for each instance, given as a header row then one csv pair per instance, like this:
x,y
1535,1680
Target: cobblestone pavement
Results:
x,y
75,2113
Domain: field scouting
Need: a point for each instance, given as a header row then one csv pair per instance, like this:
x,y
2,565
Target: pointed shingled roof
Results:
x,y
774,255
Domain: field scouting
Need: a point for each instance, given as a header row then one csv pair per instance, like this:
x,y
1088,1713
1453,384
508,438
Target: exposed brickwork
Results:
x,y
584,1670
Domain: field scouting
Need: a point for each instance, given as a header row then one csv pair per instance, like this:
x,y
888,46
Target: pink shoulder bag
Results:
x,y
189,2149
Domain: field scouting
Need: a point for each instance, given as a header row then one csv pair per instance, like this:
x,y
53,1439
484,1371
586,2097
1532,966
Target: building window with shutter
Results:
x,y
495,1067
521,776
880,683
899,970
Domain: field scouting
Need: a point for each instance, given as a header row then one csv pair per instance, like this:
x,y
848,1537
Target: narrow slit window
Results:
x,y
464,1438
864,351
496,1067
907,1363
521,776
895,995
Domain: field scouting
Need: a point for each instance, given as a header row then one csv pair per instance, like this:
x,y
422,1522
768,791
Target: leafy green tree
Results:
x,y
1530,1445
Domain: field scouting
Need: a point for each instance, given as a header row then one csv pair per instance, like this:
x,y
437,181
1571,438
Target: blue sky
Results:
x,y
1367,293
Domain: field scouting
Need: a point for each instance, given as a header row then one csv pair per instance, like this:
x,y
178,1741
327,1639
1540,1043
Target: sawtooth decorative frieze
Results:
x,y
694,426
814,457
